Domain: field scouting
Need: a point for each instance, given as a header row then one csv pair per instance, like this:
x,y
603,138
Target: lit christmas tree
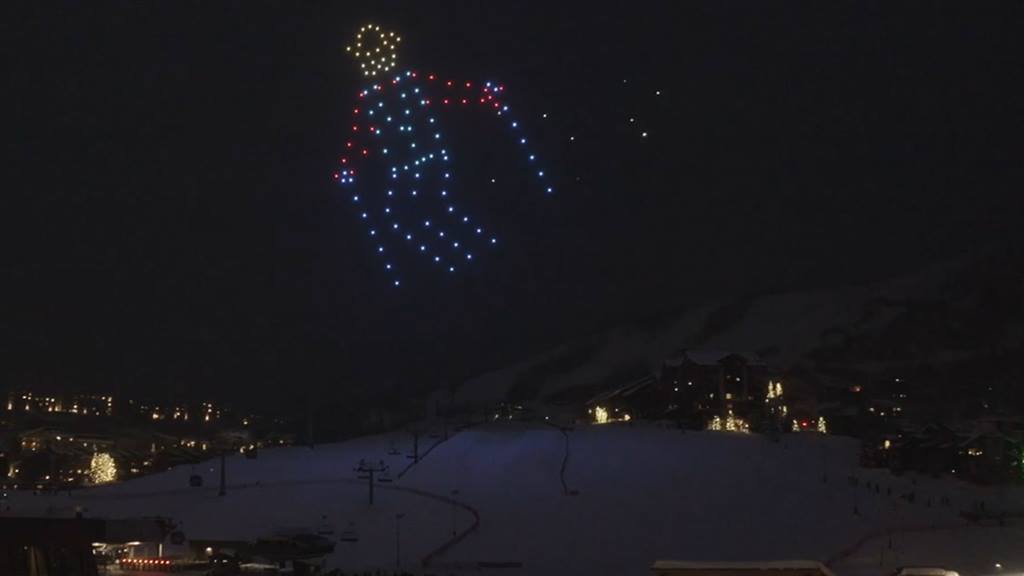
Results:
x,y
775,408
102,468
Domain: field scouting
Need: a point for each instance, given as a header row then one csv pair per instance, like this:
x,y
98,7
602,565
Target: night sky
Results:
x,y
170,225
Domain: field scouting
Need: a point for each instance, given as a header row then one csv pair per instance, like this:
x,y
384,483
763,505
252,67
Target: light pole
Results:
x,y
454,494
223,473
398,540
824,464
415,446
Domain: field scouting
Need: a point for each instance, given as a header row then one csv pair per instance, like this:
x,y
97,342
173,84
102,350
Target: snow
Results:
x,y
644,494
623,391
973,550
786,326
709,357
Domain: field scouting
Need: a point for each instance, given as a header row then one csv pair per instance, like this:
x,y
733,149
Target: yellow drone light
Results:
x,y
380,54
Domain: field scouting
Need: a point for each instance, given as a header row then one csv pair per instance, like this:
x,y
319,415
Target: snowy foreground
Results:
x,y
637,494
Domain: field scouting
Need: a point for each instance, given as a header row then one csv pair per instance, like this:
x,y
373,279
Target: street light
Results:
x,y
398,540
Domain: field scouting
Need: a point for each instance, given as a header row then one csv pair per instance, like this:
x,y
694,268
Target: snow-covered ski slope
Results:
x,y
641,493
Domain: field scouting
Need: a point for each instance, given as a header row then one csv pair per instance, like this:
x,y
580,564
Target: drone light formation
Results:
x,y
375,50
397,134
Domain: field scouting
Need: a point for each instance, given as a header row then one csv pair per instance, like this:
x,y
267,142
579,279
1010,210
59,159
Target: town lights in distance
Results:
x,y
375,50
402,177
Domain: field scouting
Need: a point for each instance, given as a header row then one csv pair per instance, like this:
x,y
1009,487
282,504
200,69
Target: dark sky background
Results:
x,y
170,226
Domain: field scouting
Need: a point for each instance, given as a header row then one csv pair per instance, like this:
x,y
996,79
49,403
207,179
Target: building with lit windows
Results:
x,y
700,384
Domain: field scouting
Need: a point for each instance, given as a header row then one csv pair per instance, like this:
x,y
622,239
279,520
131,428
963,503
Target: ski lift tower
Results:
x,y
416,433
367,471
